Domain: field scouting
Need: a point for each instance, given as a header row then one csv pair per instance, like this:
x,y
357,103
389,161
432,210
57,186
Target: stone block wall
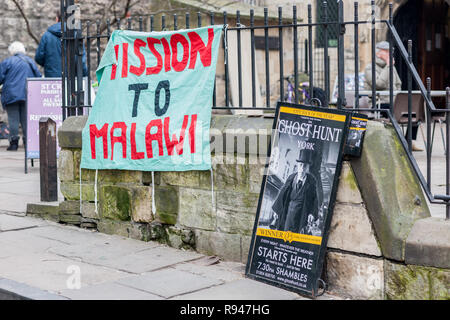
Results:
x,y
382,243
358,262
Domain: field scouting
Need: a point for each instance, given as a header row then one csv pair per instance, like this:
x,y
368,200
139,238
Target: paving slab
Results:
x,y
17,188
224,270
428,243
151,259
12,290
244,289
100,253
66,234
170,282
75,236
52,273
14,243
108,291
10,223
14,203
437,171
9,179
25,187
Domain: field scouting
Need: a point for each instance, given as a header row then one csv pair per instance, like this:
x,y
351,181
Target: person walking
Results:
x,y
14,72
48,53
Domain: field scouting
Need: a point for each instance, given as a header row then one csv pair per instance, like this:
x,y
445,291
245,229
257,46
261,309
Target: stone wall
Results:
x,y
382,242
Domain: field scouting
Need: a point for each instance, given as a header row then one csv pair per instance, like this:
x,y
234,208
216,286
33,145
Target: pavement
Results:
x,y
438,172
17,188
45,260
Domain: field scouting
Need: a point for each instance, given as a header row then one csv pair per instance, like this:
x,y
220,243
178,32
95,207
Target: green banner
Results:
x,y
153,107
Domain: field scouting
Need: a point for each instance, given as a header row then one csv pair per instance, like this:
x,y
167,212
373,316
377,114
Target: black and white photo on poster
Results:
x,y
297,197
301,171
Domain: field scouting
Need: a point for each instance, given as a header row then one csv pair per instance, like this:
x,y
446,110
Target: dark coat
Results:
x,y
14,72
48,53
306,201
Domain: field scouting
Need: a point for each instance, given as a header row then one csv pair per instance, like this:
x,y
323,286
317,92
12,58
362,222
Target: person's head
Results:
x,y
302,169
304,162
382,50
58,15
16,47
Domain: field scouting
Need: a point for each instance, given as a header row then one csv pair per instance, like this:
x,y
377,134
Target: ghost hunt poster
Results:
x,y
355,138
297,197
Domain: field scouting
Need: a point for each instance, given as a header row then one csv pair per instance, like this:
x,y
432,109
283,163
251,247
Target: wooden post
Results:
x,y
47,157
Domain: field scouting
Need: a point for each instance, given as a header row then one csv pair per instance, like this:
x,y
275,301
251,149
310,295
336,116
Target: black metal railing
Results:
x,y
306,44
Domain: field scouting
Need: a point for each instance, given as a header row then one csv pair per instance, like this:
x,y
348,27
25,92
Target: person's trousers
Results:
x,y
414,128
16,114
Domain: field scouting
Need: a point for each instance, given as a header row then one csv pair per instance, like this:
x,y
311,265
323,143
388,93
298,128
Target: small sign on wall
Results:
x,y
44,99
355,139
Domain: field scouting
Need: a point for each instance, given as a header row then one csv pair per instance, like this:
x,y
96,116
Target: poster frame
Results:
x,y
322,251
26,122
86,110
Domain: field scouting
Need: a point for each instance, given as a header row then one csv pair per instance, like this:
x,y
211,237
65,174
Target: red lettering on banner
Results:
x,y
162,136
192,132
138,43
179,66
166,55
95,133
124,60
159,62
149,137
192,46
197,46
114,66
174,142
134,155
120,139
